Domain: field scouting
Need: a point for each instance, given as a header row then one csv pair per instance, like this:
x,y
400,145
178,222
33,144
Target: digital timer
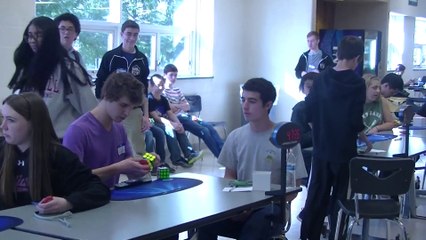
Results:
x,y
286,135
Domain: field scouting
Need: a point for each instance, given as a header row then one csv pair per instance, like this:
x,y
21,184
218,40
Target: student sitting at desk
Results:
x,y
248,149
377,116
35,166
98,137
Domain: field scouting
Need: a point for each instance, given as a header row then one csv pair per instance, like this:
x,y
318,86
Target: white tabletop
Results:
x,y
150,218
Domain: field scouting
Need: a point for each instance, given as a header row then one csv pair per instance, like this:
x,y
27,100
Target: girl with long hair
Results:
x,y
34,165
43,66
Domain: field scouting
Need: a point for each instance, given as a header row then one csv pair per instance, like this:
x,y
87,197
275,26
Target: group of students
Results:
x,y
53,116
54,103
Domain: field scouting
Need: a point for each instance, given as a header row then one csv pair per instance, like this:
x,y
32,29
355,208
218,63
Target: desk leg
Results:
x,y
365,229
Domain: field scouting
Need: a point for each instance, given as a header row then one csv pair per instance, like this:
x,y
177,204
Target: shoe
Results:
x,y
171,170
300,215
182,162
195,156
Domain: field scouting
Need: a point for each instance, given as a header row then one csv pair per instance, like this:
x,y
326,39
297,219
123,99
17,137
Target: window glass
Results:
x,y
172,31
419,54
395,40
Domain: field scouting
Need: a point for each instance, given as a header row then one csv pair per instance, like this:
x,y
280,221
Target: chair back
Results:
x,y
381,176
195,106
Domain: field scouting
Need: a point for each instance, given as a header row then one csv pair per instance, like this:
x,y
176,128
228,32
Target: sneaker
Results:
x,y
182,162
171,170
195,156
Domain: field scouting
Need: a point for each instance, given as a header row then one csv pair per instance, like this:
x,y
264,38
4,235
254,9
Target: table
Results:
x,y
150,218
19,235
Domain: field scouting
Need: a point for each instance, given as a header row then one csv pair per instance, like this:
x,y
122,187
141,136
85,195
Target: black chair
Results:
x,y
195,105
365,178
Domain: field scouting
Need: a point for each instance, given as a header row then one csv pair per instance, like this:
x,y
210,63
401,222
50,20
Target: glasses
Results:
x,y
66,29
36,36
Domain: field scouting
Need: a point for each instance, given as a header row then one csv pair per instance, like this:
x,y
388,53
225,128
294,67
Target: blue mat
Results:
x,y
7,222
154,188
376,138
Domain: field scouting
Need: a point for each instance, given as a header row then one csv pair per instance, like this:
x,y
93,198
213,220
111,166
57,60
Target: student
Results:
x,y
180,107
128,58
43,66
165,119
248,149
34,165
377,116
299,116
392,85
98,138
334,107
69,29
313,60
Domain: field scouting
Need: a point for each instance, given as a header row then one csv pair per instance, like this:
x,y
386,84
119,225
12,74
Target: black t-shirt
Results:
x,y
161,105
22,179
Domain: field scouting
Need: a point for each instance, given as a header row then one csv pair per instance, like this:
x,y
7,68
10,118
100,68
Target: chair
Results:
x,y
195,105
365,179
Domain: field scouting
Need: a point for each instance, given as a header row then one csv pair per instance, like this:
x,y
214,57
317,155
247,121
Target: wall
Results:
x,y
14,17
254,38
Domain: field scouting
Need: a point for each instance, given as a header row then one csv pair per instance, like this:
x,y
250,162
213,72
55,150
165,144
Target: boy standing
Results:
x,y
313,60
334,107
127,58
69,29
248,149
99,139
180,106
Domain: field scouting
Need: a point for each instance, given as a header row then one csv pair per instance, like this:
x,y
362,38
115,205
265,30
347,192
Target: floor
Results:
x,y
416,228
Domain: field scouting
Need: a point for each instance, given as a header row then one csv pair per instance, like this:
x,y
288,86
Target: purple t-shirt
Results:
x,y
95,146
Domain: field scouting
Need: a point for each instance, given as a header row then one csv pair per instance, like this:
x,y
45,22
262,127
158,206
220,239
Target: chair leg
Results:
x,y
424,176
339,219
403,230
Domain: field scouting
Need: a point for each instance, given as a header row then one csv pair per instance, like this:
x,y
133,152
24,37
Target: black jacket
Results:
x,y
298,116
335,106
325,62
70,180
114,61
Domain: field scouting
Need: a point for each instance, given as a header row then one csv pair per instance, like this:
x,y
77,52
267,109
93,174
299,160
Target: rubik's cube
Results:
x,y
150,159
163,173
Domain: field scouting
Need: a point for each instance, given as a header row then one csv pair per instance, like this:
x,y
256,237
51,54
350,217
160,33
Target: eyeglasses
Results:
x,y
36,36
66,29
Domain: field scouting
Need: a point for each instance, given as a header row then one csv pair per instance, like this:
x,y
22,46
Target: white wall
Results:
x,y
254,38
14,17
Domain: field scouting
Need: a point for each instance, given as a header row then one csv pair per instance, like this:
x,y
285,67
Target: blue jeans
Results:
x,y
173,143
160,141
256,226
204,131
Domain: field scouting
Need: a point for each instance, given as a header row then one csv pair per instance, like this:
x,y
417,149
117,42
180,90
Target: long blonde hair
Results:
x,y
43,142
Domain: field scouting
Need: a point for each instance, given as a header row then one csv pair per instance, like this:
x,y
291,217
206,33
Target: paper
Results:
x,y
238,189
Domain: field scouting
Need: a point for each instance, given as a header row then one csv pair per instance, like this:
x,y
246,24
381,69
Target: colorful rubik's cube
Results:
x,y
150,159
163,173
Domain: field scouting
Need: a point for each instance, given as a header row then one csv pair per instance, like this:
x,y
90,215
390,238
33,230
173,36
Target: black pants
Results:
x,y
328,182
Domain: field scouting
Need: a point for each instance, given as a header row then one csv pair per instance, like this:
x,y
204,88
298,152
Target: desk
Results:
x,y
150,218
19,235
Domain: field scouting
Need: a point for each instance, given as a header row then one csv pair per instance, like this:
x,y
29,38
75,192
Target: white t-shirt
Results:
x,y
246,151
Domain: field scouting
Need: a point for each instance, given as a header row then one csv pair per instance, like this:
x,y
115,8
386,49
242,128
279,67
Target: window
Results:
x,y
419,54
172,31
395,40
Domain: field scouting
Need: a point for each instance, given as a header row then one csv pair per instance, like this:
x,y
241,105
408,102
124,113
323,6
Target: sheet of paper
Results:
x,y
238,189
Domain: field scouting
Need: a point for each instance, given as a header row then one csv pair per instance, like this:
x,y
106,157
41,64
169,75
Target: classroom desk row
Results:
x,y
148,218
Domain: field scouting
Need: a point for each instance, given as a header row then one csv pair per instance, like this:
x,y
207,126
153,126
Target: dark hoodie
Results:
x,y
335,106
